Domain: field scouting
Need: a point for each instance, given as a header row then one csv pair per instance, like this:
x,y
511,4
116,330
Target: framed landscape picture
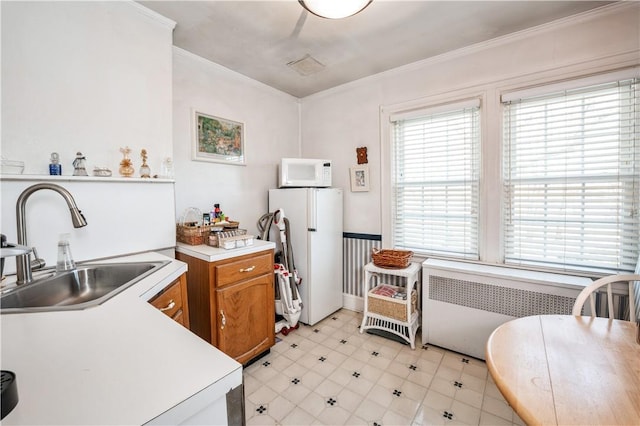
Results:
x,y
217,139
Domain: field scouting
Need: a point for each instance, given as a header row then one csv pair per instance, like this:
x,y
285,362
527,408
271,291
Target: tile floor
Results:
x,y
330,374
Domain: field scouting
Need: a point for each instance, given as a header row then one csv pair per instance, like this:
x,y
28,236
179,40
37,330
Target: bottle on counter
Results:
x,y
55,168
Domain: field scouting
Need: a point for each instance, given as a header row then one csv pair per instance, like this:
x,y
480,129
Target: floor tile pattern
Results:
x,y
331,374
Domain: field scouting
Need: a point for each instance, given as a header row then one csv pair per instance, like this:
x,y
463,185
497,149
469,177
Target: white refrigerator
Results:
x,y
315,225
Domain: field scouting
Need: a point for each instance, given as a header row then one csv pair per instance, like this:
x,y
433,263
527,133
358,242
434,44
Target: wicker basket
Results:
x,y
192,235
389,306
393,259
231,225
190,229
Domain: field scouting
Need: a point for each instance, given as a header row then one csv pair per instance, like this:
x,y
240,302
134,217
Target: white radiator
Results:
x,y
462,303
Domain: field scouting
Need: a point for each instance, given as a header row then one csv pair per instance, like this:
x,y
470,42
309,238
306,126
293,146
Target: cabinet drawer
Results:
x,y
244,268
170,301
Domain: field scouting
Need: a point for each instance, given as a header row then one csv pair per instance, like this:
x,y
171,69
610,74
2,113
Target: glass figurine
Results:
x,y
145,170
126,167
55,168
166,170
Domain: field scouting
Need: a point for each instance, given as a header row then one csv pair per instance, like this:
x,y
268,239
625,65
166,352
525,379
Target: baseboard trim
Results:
x,y
353,303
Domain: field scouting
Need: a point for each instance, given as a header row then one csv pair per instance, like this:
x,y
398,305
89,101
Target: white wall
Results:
x,y
90,77
271,131
97,76
85,76
338,120
123,216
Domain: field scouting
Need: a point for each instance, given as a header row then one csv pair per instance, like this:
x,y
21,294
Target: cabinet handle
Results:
x,y
249,269
223,320
171,305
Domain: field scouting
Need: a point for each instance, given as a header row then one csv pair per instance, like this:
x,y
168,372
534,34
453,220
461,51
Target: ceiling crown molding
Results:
x,y
155,16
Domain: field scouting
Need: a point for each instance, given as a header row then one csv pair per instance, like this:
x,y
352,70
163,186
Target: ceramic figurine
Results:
x,y
362,155
79,167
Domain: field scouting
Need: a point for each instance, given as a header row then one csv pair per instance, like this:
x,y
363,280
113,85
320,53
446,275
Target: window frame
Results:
x,y
548,96
467,184
386,157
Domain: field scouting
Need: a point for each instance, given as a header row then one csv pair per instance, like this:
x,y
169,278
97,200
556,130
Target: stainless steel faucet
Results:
x,y
23,262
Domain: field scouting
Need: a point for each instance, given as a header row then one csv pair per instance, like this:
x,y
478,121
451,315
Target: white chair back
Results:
x,y
590,291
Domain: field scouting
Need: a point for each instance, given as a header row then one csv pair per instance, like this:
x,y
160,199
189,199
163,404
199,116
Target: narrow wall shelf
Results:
x,y
112,179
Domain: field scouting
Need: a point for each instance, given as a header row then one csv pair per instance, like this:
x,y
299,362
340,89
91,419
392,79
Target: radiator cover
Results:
x,y
463,303
514,302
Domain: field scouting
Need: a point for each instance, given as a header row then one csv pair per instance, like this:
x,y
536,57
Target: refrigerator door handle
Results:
x,y
312,213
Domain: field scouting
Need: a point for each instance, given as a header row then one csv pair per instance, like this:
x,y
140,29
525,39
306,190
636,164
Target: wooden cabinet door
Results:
x,y
172,300
245,318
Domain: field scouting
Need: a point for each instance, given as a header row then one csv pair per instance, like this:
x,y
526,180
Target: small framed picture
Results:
x,y
359,178
217,139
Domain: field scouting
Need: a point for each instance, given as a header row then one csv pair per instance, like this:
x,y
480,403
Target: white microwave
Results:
x,y
304,172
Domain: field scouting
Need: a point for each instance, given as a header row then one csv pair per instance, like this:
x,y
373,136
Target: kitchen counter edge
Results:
x,y
214,254
122,362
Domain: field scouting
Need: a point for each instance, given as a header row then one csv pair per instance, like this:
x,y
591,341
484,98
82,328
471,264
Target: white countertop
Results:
x,y
214,254
122,362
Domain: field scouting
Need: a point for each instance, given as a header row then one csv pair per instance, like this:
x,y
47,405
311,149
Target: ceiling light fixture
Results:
x,y
334,9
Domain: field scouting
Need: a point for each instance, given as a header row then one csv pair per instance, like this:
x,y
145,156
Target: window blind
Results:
x,y
572,178
435,183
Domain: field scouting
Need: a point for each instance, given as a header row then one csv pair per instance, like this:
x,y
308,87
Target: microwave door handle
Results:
x,y
312,211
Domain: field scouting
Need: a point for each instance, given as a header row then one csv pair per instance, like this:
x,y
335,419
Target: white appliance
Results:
x,y
315,223
305,172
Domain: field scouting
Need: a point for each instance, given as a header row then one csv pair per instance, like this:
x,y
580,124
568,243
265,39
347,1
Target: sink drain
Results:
x,y
9,392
